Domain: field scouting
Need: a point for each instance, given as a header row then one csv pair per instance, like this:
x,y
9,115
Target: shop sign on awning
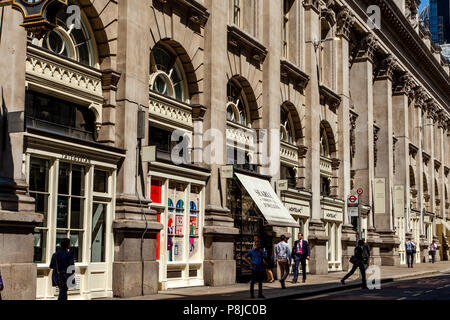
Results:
x,y
267,201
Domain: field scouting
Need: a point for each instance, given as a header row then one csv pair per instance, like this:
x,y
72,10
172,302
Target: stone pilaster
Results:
x,y
17,211
135,270
317,235
361,86
383,115
219,230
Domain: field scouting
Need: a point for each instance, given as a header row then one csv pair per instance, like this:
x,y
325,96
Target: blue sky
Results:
x,y
423,4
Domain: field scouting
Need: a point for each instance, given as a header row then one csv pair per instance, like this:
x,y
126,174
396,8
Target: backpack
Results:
x,y
365,252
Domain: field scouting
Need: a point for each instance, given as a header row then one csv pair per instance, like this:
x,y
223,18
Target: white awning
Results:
x,y
267,201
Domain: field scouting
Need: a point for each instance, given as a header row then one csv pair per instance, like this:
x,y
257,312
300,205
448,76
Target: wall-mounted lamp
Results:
x,y
317,43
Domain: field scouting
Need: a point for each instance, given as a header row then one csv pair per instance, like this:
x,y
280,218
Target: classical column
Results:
x,y
17,216
402,92
361,86
219,230
135,273
345,21
383,115
317,235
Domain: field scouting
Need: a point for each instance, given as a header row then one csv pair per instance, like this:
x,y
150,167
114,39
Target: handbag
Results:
x,y
354,260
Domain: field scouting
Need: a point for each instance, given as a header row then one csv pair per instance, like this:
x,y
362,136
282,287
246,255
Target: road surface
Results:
x,y
429,288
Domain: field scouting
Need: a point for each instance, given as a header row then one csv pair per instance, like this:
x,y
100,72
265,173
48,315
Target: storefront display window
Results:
x,y
179,246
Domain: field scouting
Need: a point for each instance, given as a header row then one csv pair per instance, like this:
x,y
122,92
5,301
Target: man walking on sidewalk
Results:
x,y
359,261
283,256
300,253
255,258
433,248
410,252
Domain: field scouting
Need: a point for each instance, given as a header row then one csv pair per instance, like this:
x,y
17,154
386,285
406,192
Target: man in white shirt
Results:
x,y
433,248
283,257
410,252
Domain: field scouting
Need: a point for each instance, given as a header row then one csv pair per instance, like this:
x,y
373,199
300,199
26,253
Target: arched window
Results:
x,y
286,127
74,41
324,142
167,76
237,107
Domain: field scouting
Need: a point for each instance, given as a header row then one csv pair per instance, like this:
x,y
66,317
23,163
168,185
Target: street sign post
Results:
x,y
354,210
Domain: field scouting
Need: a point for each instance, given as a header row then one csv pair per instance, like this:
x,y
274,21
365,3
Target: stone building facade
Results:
x,y
306,92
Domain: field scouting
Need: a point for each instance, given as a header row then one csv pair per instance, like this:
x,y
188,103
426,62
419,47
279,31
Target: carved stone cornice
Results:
x,y
437,164
293,73
404,85
411,42
238,38
335,163
110,79
197,13
386,68
327,96
367,48
446,171
302,151
413,150
345,21
198,112
426,157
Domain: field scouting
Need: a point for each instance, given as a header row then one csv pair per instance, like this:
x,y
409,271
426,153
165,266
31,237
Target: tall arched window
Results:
x,y
286,127
237,107
74,40
167,76
324,142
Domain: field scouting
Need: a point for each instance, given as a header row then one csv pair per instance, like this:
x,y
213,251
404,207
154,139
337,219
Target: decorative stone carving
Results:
x,y
345,21
46,69
395,140
376,130
330,98
404,85
353,117
240,39
335,163
311,4
386,68
329,15
421,97
367,48
198,112
292,72
176,113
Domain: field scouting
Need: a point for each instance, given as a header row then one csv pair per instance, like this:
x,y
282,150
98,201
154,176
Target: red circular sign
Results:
x,y
352,199
360,191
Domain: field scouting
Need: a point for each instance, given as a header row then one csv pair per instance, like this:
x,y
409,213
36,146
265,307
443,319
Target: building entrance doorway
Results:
x,y
250,223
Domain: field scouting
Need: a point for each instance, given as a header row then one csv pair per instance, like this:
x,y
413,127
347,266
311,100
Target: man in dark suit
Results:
x,y
300,253
61,261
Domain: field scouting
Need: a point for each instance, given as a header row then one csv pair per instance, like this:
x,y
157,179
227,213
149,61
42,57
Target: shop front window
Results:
x,y
39,190
70,206
98,232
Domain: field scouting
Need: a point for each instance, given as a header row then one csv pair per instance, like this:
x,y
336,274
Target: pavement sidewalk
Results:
x,y
315,285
